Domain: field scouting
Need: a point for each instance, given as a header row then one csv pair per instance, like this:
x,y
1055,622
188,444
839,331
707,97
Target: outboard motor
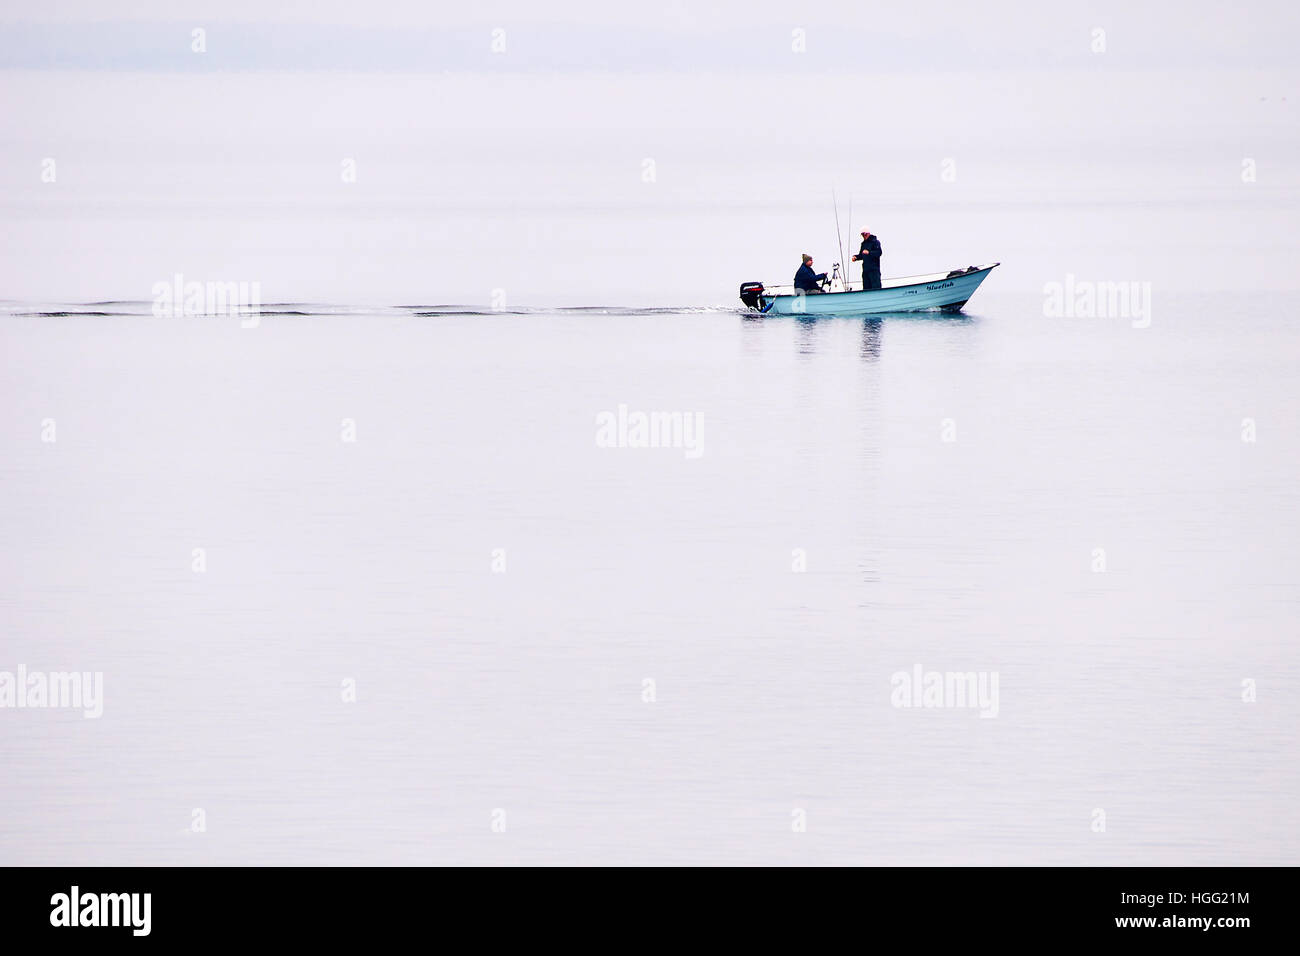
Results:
x,y
749,293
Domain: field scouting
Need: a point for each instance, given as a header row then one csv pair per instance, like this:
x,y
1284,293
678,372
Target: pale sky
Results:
x,y
963,132
728,35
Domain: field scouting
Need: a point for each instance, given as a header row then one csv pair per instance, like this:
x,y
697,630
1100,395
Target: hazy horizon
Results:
x,y
669,175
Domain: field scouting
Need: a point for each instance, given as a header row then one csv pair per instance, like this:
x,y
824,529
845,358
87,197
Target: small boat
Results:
x,y
946,291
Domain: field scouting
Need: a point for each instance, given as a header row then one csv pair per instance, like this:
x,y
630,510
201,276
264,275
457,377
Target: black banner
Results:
x,y
331,906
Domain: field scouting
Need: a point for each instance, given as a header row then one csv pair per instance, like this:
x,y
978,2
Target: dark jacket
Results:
x,y
870,253
806,279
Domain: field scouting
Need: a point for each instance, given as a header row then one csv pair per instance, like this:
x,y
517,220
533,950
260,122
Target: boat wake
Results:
x,y
121,308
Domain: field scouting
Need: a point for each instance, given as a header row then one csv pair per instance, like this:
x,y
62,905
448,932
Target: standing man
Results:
x,y
807,281
869,255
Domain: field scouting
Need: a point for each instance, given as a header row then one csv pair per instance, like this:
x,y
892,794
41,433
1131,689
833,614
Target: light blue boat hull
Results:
x,y
935,292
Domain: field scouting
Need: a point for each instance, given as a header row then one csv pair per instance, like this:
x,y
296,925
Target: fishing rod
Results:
x,y
849,246
839,236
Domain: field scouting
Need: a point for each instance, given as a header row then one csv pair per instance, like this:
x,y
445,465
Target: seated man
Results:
x,y
805,280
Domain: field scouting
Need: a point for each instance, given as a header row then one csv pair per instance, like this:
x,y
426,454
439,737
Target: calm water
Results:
x,y
500,587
